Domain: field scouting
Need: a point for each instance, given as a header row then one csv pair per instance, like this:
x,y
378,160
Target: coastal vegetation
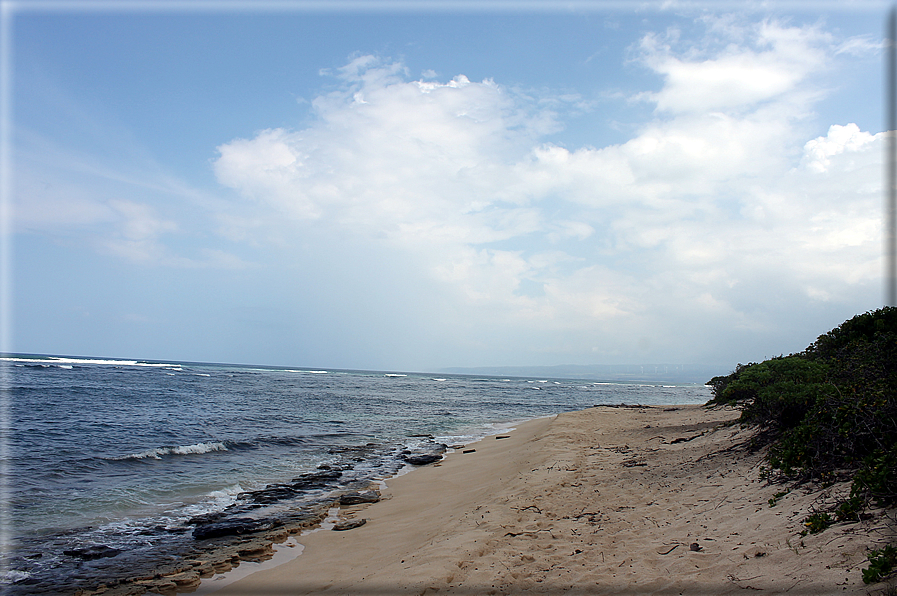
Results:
x,y
829,413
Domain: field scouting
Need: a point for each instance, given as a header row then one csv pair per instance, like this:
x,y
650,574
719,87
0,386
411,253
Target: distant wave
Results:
x,y
160,452
60,361
394,375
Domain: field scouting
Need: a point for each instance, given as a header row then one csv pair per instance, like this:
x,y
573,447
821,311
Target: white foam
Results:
x,y
394,375
214,501
198,448
61,360
13,575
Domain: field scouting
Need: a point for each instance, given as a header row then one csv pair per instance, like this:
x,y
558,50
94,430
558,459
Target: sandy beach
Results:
x,y
608,500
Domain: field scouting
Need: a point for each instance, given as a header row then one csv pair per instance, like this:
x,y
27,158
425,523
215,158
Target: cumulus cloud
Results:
x,y
720,209
840,139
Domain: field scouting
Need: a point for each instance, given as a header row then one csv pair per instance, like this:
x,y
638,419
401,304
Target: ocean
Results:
x,y
123,454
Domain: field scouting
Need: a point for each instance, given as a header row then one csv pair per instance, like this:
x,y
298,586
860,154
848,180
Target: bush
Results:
x,y
831,407
817,523
881,563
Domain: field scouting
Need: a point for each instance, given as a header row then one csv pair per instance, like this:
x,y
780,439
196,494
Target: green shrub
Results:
x,y
876,480
831,407
881,563
775,498
850,509
817,522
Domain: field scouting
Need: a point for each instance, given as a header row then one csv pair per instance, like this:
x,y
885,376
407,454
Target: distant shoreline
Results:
x,y
616,373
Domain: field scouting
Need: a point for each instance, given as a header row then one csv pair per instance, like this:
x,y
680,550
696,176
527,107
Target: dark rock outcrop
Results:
x,y
358,498
233,526
89,553
422,457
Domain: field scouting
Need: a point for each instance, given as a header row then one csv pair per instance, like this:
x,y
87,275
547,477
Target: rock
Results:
x,y
349,524
314,480
695,547
89,553
205,518
187,579
358,498
270,494
237,525
423,459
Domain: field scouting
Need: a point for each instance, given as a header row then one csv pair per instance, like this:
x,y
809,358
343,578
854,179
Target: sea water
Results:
x,y
124,453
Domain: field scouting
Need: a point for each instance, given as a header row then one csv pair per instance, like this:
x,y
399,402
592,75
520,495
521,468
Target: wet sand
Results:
x,y
609,500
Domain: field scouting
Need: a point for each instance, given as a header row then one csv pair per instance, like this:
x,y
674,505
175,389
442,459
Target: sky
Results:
x,y
413,187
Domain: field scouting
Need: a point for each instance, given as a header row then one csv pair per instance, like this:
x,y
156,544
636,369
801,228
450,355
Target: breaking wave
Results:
x,y
160,452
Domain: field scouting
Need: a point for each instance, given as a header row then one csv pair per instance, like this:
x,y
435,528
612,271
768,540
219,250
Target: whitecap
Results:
x,y
64,360
159,452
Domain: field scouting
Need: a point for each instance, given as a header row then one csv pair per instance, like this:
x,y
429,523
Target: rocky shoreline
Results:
x,y
246,531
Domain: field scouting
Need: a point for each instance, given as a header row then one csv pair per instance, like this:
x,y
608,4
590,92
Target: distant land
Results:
x,y
633,373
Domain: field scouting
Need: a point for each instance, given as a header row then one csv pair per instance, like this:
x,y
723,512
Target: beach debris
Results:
x,y
469,451
357,498
503,437
89,553
632,463
695,547
349,524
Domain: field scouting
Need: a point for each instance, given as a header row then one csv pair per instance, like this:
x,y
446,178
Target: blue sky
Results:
x,y
469,185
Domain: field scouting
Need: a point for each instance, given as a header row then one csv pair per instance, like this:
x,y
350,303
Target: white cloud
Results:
x,y
737,68
840,139
686,225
